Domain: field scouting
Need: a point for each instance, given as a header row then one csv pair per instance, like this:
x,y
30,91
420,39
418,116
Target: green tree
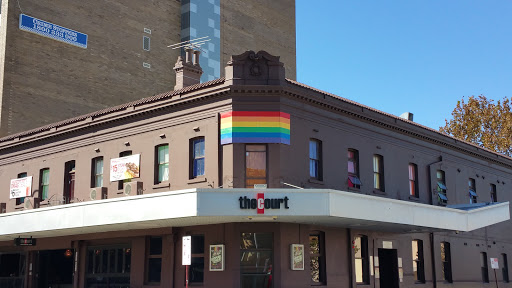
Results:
x,y
483,122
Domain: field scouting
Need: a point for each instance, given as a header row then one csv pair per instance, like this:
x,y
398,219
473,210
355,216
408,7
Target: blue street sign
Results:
x,y
47,29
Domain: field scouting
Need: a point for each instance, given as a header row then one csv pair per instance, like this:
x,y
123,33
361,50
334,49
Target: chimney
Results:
x,y
189,72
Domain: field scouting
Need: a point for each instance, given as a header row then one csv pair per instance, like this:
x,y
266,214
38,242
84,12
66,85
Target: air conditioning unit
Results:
x,y
133,188
32,203
98,193
3,208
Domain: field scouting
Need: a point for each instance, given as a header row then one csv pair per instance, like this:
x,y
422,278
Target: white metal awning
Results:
x,y
212,206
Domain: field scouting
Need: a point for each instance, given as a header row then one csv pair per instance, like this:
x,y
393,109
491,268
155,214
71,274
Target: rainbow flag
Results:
x,y
254,127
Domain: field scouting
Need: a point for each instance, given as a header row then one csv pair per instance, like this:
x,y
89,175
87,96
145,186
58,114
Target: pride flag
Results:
x,y
255,127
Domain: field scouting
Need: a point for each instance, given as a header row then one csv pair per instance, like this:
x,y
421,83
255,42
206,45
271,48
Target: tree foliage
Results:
x,y
483,122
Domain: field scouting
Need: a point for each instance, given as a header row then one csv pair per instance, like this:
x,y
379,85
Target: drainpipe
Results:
x,y
432,253
350,261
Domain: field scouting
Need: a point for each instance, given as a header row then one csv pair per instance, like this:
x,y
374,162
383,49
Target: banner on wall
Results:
x,y
125,167
21,187
255,127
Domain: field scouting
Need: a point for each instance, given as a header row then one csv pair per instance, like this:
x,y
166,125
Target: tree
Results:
x,y
483,122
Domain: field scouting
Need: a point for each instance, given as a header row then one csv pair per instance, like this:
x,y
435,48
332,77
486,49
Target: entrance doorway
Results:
x,y
388,265
256,260
55,268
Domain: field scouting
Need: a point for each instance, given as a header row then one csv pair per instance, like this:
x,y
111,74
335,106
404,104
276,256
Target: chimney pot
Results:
x,y
187,74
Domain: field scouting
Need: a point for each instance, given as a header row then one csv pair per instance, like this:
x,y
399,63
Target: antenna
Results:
x,y
192,43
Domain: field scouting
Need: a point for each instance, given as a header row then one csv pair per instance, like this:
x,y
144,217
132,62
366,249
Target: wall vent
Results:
x,y
147,30
146,65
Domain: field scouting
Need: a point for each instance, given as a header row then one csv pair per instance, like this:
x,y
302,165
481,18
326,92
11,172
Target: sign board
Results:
x,y
25,242
125,167
494,263
56,32
20,187
186,257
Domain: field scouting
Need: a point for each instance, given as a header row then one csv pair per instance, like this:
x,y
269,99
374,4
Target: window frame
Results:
x,y
473,196
152,256
365,260
266,164
379,174
413,183
485,267
120,183
148,48
494,193
21,200
446,263
353,179
441,187
197,255
504,269
158,164
420,261
42,185
94,172
322,275
196,158
315,164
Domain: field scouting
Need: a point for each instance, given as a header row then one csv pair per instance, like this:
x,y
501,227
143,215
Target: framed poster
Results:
x,y
217,257
297,256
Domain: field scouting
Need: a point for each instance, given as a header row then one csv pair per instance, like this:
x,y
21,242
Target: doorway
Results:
x,y
55,268
388,265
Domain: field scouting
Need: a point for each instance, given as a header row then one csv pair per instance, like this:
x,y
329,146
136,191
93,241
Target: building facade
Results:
x,y
46,78
253,180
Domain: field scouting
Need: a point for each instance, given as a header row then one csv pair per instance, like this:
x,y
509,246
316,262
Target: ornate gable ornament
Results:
x,y
252,68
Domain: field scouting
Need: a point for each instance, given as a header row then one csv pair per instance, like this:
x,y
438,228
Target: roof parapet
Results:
x,y
252,68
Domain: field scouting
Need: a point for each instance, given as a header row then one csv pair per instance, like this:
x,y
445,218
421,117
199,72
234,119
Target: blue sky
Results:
x,y
406,56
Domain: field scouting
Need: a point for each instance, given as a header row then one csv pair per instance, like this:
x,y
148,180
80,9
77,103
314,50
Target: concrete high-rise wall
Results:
x,y
44,81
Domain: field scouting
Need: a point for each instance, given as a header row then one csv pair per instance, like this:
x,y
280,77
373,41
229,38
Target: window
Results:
x,y
353,169
196,269
145,43
504,268
97,172
441,187
317,258
361,258
255,165
44,183
418,267
315,159
256,259
21,200
108,266
472,191
446,261
154,260
485,268
378,172
413,180
120,183
161,163
494,196
69,181
197,157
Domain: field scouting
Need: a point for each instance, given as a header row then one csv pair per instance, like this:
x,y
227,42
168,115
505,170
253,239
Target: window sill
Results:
x,y
379,192
161,185
413,198
316,181
419,282
19,207
199,179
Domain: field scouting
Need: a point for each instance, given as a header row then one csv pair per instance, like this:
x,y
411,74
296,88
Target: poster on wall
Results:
x,y
217,257
297,256
21,187
125,167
